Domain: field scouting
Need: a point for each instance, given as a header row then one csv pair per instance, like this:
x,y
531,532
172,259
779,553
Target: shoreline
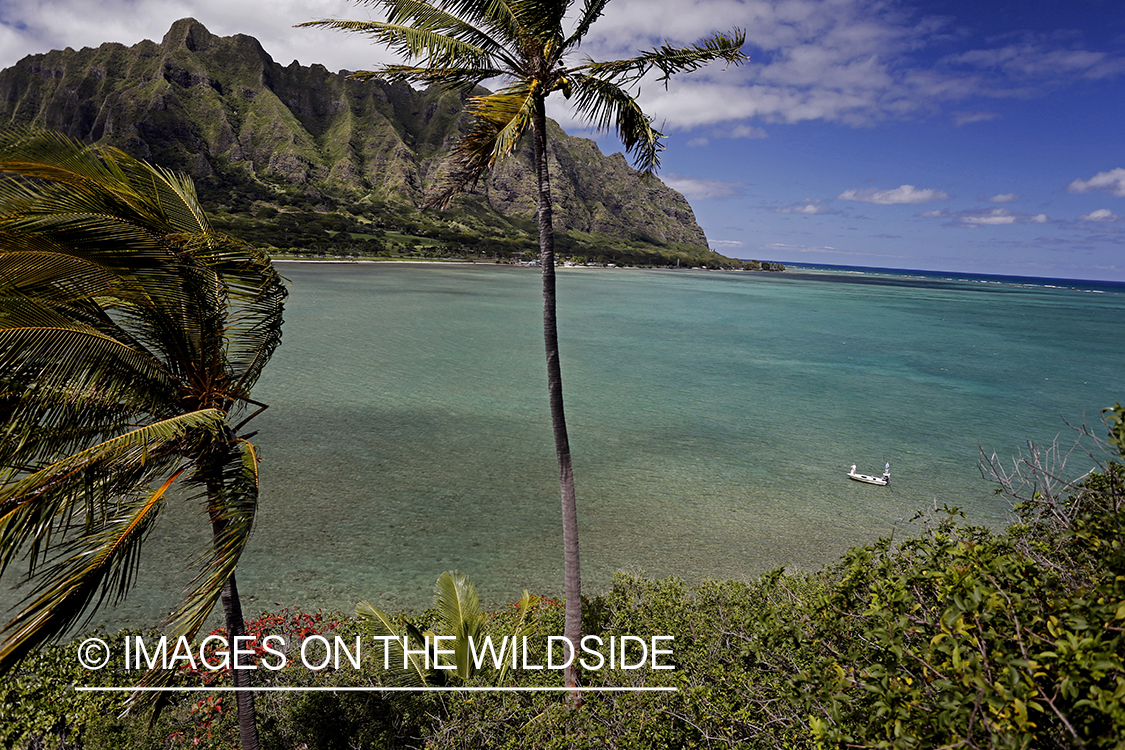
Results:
x,y
375,260
512,265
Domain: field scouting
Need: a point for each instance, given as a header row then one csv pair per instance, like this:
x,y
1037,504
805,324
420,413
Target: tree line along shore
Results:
x,y
301,231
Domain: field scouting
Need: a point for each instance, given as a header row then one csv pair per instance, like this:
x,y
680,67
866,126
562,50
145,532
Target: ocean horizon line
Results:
x,y
955,275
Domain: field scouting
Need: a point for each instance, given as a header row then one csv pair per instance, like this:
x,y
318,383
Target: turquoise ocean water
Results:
x,y
713,418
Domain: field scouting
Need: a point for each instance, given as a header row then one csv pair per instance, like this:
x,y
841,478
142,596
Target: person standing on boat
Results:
x,y
887,472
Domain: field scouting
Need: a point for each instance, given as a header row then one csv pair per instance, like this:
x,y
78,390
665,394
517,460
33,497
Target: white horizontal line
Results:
x,y
277,689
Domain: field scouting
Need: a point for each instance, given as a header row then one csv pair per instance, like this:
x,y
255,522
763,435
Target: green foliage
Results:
x,y
958,637
289,229
724,696
39,707
1115,420
964,636
458,616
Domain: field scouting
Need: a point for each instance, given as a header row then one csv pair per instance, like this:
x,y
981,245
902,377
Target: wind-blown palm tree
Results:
x,y
131,333
459,44
461,619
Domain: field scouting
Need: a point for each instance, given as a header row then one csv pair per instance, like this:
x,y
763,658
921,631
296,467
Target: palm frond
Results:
x,y
508,114
541,21
670,60
100,564
381,626
500,120
73,357
606,105
52,277
230,486
496,15
490,26
78,225
523,628
78,489
56,169
459,615
168,197
591,12
253,298
435,48
49,156
189,291
116,212
450,79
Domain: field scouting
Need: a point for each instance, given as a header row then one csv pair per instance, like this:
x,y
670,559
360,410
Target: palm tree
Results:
x,y
131,333
459,617
461,43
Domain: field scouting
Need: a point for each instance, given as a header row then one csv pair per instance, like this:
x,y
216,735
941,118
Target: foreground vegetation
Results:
x,y
959,637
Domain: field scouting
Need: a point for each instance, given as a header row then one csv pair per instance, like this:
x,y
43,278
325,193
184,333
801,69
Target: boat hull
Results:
x,y
868,478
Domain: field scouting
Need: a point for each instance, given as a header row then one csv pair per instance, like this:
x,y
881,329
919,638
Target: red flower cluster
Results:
x,y
290,623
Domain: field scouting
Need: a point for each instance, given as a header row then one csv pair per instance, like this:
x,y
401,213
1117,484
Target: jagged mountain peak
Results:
x,y
190,34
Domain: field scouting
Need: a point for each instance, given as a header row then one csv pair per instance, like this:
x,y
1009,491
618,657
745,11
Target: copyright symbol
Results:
x,y
93,653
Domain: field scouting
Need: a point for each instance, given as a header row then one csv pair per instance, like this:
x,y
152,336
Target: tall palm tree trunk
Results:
x,y
244,699
236,626
572,627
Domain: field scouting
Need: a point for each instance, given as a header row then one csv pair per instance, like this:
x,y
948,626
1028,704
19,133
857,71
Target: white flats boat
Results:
x,y
885,479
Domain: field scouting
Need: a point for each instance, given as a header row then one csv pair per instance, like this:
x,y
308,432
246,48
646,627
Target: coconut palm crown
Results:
x,y
131,333
460,44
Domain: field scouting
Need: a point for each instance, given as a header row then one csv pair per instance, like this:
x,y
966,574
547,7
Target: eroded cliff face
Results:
x,y
220,109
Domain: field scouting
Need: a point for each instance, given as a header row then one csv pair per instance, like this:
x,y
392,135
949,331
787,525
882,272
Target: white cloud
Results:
x,y
985,217
731,244
850,61
808,207
1101,214
902,194
1037,56
1112,182
36,26
738,131
1004,198
997,216
747,131
702,188
964,118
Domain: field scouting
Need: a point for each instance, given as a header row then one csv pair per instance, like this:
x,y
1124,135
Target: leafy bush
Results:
x,y
960,639
39,707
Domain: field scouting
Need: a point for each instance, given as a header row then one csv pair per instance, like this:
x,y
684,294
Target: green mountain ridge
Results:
x,y
303,159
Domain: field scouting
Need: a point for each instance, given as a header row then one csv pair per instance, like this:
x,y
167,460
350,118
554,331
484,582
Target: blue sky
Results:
x,y
931,134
